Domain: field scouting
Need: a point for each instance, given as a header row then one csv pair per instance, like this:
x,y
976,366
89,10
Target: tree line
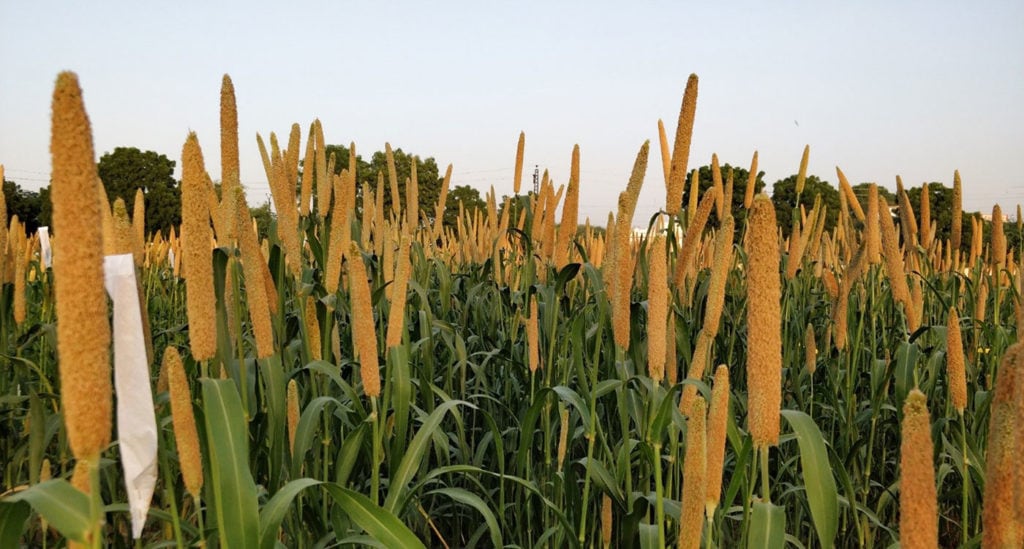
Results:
x,y
126,169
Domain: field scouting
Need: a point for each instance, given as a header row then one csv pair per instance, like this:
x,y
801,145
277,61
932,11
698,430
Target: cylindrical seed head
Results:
x,y
312,329
293,413
518,178
998,239
718,420
533,336
1002,525
657,308
681,149
748,195
691,516
926,217
196,236
82,342
396,313
764,319
364,337
810,349
185,434
955,363
956,228
919,513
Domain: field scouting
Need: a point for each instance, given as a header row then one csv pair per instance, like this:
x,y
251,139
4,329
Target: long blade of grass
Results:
x,y
398,491
378,522
234,490
819,484
64,507
767,527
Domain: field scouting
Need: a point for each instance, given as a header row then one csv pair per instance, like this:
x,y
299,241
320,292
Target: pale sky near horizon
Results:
x,y
879,89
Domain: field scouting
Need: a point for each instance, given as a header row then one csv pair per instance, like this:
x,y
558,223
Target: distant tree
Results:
x,y
784,199
264,217
740,176
366,173
45,207
861,190
470,199
127,168
940,207
23,203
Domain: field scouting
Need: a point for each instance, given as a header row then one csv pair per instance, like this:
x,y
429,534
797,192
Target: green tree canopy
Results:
x,y
861,190
366,173
127,168
740,176
470,199
24,204
784,199
940,207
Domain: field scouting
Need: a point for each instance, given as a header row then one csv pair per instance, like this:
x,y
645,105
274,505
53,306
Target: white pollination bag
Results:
x,y
136,420
45,252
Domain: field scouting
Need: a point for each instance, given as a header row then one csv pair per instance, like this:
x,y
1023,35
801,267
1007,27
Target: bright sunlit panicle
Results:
x,y
189,453
681,148
695,467
919,514
364,337
82,342
764,321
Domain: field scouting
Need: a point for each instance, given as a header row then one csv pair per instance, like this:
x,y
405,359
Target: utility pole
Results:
x,y
536,179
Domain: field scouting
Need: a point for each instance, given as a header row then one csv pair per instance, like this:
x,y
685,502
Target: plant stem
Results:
x,y
659,505
966,480
377,451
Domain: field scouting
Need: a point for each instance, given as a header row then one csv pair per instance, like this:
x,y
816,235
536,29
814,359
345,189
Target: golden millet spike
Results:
x,y
871,226
657,307
396,314
851,198
570,212
82,342
691,515
255,281
955,370
810,349
999,515
293,413
748,197
196,237
229,163
185,435
681,147
312,329
718,420
364,336
517,180
926,217
801,176
919,513
894,267
666,158
956,227
764,319
396,198
997,241
691,239
533,335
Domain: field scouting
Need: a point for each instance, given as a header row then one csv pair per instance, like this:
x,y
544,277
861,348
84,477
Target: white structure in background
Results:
x,y
136,419
45,252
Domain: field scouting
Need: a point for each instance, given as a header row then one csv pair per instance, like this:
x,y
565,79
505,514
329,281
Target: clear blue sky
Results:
x,y
878,88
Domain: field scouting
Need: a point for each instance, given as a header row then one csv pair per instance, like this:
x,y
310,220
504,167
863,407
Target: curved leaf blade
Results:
x,y
376,521
63,506
235,500
819,484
